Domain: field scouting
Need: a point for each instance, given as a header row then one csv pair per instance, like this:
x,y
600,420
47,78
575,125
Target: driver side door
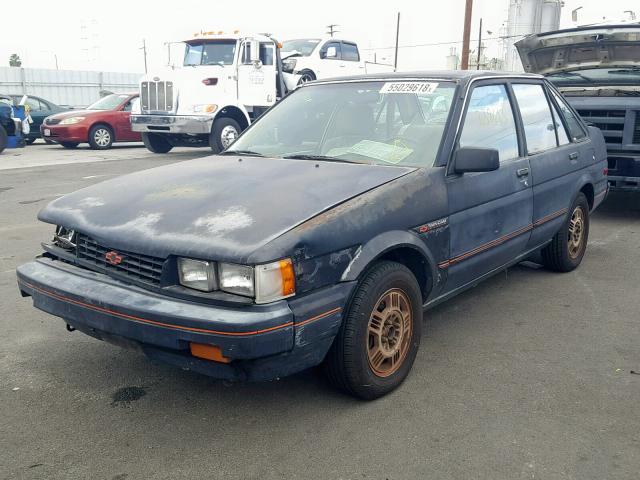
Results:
x,y
490,212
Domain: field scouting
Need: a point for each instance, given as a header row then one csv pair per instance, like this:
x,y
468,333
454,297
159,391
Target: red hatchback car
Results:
x,y
100,124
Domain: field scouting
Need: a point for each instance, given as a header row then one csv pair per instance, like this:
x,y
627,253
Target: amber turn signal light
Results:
x,y
208,352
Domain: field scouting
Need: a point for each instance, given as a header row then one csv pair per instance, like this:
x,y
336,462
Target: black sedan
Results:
x,y
328,228
39,110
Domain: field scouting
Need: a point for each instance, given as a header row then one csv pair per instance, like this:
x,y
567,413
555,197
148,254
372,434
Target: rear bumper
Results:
x,y
262,341
192,124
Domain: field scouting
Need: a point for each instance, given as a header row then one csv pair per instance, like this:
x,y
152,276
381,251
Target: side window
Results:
x,y
34,104
573,124
536,117
350,52
331,51
563,138
489,122
266,53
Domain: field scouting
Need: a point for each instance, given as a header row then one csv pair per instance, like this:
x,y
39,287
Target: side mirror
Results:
x,y
469,159
331,52
254,51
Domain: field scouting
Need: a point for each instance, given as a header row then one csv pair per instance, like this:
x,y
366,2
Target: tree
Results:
x,y
14,60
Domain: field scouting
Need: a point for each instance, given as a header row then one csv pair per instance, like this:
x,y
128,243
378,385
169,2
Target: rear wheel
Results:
x,y
69,144
566,250
224,132
156,143
380,334
101,137
3,138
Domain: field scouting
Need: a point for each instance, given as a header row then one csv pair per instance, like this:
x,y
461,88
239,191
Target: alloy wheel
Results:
x,y
576,232
228,135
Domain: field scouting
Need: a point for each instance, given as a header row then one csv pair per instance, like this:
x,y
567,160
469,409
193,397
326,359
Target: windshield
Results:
x,y
108,103
597,76
382,123
220,52
303,46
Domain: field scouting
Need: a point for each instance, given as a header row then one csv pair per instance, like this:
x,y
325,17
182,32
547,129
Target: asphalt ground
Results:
x,y
526,376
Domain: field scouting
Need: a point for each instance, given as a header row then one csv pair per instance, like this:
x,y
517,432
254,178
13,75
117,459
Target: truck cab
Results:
x,y
225,82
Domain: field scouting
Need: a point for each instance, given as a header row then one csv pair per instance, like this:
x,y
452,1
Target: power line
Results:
x,y
441,43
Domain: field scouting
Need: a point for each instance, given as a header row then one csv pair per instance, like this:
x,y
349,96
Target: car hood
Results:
x,y
218,207
76,113
606,46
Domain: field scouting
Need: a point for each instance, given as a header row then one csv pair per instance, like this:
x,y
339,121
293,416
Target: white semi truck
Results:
x,y
226,81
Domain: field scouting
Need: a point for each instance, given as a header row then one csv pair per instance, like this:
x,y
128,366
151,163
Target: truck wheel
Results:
x,y
224,132
156,143
306,76
3,138
567,248
100,137
380,333
69,144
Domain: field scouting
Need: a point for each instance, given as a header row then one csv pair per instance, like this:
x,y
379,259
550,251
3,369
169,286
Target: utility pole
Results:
x,y
395,62
144,51
479,45
56,57
332,29
464,62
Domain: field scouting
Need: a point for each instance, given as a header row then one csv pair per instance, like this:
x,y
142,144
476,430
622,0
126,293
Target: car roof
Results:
x,y
451,75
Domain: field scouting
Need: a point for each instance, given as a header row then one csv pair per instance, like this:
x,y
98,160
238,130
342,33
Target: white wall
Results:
x,y
65,87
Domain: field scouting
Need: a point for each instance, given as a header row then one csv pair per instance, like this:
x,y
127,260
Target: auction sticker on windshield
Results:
x,y
419,88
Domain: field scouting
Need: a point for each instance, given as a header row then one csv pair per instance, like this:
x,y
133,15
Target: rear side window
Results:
x,y
539,127
350,52
489,122
573,124
563,138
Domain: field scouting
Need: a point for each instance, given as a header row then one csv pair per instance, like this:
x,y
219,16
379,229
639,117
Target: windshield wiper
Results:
x,y
324,158
248,153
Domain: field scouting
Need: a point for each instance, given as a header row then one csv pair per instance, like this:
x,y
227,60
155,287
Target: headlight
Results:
x,y
288,65
236,279
274,281
71,120
197,274
208,108
64,237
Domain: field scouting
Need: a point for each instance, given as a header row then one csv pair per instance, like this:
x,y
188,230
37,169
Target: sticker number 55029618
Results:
x,y
419,88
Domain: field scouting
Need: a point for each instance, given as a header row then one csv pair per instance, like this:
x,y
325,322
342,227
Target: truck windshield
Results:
x,y
108,103
382,123
597,77
219,52
303,46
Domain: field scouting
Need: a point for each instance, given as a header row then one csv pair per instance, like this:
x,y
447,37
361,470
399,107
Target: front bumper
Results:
x,y
262,341
65,133
190,124
624,172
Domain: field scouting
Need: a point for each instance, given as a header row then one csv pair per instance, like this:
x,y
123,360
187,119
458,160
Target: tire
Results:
x,y
4,138
223,133
306,76
69,144
101,137
566,250
29,141
370,356
156,143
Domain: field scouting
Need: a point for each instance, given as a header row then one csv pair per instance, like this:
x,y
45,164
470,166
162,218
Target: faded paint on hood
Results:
x,y
600,46
222,208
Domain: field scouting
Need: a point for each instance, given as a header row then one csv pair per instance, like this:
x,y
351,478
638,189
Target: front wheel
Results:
x,y
568,246
224,132
380,334
156,143
100,137
306,76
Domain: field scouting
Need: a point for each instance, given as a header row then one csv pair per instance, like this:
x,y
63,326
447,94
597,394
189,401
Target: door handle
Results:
x,y
573,155
522,172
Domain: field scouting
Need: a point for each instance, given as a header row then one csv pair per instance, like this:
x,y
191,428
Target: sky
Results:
x,y
81,37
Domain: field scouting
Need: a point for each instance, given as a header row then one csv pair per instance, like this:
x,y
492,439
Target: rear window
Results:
x,y
573,124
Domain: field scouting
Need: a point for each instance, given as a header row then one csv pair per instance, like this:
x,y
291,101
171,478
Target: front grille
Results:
x,y
611,122
156,96
143,268
52,121
636,130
